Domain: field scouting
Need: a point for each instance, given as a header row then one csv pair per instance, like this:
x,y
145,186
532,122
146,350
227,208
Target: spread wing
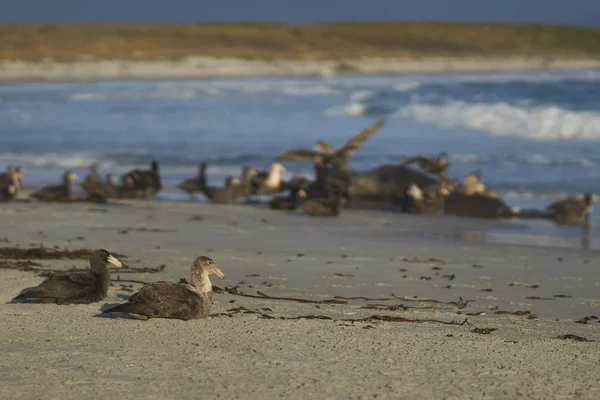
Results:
x,y
297,155
327,148
360,138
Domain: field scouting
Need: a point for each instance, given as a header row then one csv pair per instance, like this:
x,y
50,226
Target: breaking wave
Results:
x,y
538,123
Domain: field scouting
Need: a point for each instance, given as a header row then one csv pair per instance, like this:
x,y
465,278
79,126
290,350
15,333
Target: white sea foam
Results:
x,y
360,95
173,93
535,159
406,86
351,110
541,123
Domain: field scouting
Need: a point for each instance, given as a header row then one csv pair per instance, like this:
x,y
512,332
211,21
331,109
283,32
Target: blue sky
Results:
x,y
580,12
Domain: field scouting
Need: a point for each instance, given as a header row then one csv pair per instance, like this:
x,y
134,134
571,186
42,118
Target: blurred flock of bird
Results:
x,y
426,189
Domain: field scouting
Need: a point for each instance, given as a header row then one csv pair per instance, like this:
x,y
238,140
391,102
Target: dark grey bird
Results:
x,y
195,184
174,300
74,287
142,183
329,207
60,192
572,210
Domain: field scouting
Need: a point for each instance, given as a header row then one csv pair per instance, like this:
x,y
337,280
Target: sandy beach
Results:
x,y
465,320
211,67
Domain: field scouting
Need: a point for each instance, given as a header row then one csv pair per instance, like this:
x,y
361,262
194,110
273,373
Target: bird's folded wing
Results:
x,y
85,277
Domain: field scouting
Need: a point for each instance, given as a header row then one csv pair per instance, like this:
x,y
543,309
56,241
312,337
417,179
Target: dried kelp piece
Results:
x,y
513,312
387,318
539,298
28,266
586,320
484,331
244,310
45,253
343,275
574,337
118,279
562,296
459,304
130,270
429,260
363,298
397,307
260,295
390,318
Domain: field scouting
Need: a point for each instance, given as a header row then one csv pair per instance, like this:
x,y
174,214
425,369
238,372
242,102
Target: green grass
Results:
x,y
268,41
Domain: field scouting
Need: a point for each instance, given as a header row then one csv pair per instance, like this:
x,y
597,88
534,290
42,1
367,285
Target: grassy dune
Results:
x,y
267,41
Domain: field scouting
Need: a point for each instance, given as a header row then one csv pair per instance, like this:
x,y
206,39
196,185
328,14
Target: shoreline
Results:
x,y
211,67
506,338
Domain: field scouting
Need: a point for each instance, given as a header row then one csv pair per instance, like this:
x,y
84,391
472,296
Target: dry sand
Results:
x,y
50,351
207,67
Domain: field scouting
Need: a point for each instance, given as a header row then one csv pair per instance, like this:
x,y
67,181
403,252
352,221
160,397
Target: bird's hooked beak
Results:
x,y
114,261
217,272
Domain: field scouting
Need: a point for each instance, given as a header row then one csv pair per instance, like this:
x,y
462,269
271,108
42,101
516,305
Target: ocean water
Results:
x,y
534,135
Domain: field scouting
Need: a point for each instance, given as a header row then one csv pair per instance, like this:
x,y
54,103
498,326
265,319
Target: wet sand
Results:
x,y
530,295
210,67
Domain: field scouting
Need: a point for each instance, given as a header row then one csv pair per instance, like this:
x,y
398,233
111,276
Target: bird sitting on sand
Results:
x,y
74,287
195,184
216,194
573,210
61,192
268,183
223,194
168,300
244,187
329,207
288,202
9,184
436,167
429,201
143,183
13,176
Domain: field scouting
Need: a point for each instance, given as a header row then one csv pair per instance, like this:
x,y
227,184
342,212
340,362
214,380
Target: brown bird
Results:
x,y
288,202
61,192
573,210
194,185
174,300
436,167
337,158
329,207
